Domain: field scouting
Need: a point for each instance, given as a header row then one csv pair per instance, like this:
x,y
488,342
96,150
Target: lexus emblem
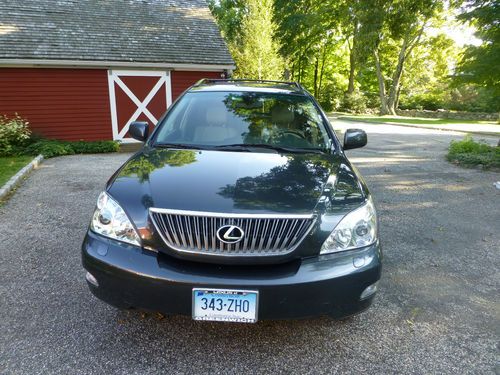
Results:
x,y
230,234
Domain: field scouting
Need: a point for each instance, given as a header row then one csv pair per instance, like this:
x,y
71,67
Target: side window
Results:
x,y
171,128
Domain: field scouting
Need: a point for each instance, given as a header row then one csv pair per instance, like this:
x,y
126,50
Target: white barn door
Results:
x,y
137,96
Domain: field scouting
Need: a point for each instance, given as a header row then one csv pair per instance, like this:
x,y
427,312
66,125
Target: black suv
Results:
x,y
241,205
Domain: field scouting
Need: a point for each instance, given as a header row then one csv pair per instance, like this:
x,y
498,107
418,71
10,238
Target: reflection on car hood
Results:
x,y
223,181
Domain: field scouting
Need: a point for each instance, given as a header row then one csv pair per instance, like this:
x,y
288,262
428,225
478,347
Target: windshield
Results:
x,y
253,119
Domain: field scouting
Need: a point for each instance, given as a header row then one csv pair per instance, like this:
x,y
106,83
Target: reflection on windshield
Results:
x,y
222,118
143,165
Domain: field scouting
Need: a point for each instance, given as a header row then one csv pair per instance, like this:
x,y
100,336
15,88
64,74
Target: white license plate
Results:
x,y
225,305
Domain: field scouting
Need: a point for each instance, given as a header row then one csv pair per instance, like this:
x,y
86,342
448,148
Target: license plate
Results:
x,y
225,305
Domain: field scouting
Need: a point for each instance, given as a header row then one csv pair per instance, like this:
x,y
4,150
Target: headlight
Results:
x,y
111,221
357,229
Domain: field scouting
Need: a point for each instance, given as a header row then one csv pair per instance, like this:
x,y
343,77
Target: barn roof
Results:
x,y
149,31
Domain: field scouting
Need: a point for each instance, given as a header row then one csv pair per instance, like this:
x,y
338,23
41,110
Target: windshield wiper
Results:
x,y
177,145
248,146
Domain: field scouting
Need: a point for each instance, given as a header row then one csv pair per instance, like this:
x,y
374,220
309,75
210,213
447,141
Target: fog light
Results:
x,y
369,291
91,279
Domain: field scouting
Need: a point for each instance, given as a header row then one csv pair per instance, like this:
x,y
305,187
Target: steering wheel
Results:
x,y
293,133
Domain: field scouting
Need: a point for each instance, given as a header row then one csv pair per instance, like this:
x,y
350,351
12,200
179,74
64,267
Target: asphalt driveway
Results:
x,y
438,309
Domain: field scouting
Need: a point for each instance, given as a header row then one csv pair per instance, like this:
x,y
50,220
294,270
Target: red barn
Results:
x,y
85,69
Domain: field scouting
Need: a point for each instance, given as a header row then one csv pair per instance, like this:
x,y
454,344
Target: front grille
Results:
x,y
264,235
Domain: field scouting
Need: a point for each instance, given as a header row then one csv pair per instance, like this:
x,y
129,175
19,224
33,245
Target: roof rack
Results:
x,y
228,80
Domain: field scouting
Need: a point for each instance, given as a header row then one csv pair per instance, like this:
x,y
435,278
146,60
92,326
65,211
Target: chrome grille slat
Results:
x,y
171,226
264,235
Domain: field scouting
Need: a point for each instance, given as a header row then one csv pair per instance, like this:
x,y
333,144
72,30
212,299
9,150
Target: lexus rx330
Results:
x,y
241,205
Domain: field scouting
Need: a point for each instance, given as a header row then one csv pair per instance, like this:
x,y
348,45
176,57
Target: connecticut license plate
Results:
x,y
225,305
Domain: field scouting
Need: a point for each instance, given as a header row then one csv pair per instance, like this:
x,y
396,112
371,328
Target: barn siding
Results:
x,y
181,80
68,104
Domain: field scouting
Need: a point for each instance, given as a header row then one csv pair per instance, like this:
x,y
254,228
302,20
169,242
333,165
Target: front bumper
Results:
x,y
128,276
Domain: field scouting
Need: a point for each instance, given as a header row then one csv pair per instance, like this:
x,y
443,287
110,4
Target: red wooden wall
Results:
x,y
66,104
70,104
181,80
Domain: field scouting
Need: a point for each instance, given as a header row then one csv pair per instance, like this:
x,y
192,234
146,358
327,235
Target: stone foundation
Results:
x,y
482,116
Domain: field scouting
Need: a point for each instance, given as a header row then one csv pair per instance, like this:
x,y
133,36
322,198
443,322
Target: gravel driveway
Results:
x,y
437,311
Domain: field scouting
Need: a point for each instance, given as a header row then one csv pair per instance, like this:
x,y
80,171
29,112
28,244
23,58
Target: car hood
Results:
x,y
232,182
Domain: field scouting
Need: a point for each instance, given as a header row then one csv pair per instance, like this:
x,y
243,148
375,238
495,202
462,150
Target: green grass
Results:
x,y
9,166
413,120
468,152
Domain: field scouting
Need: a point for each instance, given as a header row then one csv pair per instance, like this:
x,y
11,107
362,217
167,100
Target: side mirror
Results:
x,y
139,130
354,138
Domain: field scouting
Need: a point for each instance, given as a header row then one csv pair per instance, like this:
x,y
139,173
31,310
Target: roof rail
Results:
x,y
221,80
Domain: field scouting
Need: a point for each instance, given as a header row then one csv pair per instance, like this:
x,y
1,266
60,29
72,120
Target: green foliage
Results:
x,y
480,64
332,47
330,99
466,98
50,147
310,42
229,16
431,101
256,55
14,133
354,102
469,152
95,147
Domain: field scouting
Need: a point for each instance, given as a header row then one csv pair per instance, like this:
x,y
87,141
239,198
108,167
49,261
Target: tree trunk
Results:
x,y
397,98
350,87
396,79
409,43
321,71
352,62
384,110
316,66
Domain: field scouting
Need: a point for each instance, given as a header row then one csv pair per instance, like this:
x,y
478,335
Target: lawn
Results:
x,y
9,166
413,120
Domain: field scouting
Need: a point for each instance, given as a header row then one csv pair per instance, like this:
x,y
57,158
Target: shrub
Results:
x,y
469,152
428,101
14,133
96,147
355,102
50,148
330,98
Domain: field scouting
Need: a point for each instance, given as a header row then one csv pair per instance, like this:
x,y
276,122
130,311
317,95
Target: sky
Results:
x,y
462,34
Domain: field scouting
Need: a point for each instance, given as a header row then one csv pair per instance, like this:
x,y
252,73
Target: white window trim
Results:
x,y
114,77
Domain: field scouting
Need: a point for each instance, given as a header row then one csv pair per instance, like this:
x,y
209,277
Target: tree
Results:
x,y
404,22
308,31
428,85
229,16
480,65
356,54
256,55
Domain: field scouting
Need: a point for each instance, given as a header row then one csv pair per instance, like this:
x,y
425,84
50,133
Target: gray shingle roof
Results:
x,y
154,31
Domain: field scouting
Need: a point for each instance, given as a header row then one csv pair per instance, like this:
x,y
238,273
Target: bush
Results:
x,y
50,148
355,102
330,98
14,134
96,147
428,101
465,98
469,152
